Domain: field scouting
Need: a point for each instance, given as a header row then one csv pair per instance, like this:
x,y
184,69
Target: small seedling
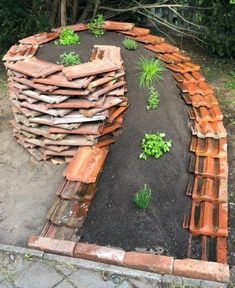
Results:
x,y
96,26
150,70
69,59
153,99
142,198
153,145
68,37
129,44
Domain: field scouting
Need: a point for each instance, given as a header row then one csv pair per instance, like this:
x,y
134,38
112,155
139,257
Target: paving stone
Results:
x,y
89,279
64,284
38,275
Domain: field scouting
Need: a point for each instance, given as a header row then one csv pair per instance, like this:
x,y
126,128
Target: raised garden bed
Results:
x,y
112,219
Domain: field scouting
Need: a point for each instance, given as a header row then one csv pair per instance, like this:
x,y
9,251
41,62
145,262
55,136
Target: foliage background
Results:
x,y
19,19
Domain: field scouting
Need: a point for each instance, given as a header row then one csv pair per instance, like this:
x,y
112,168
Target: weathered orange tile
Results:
x,y
201,270
209,219
40,38
195,88
99,253
30,83
105,143
221,250
206,129
76,28
162,48
136,32
20,52
149,262
86,165
183,67
202,114
34,67
89,69
216,148
150,39
198,100
173,58
116,25
188,78
209,167
208,189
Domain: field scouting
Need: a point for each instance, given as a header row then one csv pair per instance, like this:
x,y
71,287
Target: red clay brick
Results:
x,y
99,253
149,262
221,250
52,245
201,270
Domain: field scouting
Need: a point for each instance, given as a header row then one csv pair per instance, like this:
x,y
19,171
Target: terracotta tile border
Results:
x,y
206,125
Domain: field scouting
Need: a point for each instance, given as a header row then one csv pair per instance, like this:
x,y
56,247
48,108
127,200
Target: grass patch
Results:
x,y
129,44
68,37
96,26
142,198
153,99
150,70
69,59
153,145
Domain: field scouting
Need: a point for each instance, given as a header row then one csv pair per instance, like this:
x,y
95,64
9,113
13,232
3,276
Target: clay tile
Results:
x,y
86,165
40,38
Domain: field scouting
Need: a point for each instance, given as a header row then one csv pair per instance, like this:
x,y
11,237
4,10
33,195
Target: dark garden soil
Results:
x,y
113,219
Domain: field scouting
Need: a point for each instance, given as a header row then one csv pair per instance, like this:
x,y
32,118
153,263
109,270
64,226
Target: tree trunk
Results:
x,y
86,10
75,10
54,11
97,4
63,5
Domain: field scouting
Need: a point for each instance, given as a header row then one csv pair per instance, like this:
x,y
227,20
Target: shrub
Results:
x,y
142,198
69,59
153,99
96,26
68,37
153,145
150,70
129,44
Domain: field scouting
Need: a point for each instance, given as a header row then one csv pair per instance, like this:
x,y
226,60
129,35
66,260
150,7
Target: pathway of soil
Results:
x,y
113,219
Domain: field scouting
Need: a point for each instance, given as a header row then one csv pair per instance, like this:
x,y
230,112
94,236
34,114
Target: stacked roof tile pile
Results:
x,y
58,109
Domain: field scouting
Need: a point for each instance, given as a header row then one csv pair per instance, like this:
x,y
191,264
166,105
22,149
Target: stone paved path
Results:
x,y
25,268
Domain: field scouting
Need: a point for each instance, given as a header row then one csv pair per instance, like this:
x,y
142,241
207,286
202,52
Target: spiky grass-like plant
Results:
x,y
129,44
150,70
69,59
142,198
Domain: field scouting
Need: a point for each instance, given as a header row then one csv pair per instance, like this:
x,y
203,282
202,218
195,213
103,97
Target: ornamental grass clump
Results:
x,y
153,99
150,70
69,59
154,145
129,44
142,198
68,37
96,26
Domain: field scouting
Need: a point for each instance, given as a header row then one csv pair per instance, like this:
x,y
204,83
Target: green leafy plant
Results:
x,y
96,26
68,37
153,99
150,70
153,145
129,44
142,198
69,59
